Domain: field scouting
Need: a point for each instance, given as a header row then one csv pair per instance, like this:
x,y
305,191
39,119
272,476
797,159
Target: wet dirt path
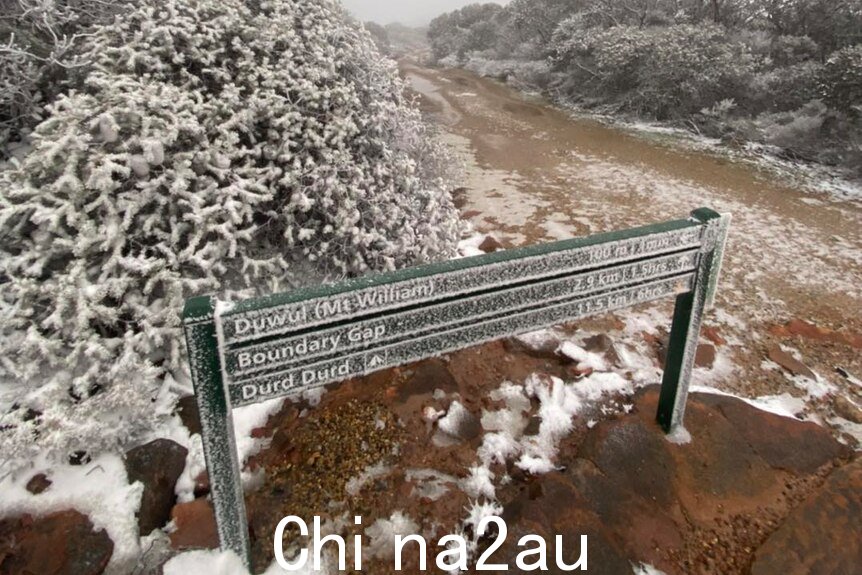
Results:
x,y
535,174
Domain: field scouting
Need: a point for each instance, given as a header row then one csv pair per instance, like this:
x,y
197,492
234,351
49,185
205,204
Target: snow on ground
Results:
x,y
227,563
644,569
99,489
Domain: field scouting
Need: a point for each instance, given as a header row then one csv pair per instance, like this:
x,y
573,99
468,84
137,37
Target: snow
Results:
x,y
99,489
355,484
453,421
479,483
380,535
479,511
679,436
584,358
430,483
245,420
784,405
645,569
214,562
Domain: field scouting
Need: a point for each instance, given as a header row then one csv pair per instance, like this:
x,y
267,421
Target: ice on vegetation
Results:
x,y
430,483
380,535
479,483
477,511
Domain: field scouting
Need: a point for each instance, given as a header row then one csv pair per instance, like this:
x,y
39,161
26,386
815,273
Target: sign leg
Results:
x,y
217,425
687,321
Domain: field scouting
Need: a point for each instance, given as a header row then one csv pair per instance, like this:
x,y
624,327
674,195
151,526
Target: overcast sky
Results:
x,y
410,12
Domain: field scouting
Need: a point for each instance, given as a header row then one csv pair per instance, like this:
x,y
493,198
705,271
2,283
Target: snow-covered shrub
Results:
x,y
786,87
39,43
663,72
841,81
529,75
209,147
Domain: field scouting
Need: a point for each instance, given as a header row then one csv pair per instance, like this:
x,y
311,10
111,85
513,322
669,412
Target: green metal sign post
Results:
x,y
285,344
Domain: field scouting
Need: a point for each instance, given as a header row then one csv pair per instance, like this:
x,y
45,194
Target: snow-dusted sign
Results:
x,y
285,344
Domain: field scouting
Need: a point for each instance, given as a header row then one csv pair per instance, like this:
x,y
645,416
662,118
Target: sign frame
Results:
x,y
515,278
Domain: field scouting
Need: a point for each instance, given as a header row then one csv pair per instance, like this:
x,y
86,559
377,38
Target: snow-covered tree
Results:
x,y
212,145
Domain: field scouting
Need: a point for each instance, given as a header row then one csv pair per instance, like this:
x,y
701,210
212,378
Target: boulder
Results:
x,y
823,535
157,465
195,526
56,544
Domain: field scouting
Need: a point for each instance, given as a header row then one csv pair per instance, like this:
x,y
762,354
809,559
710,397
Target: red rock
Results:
x,y
809,330
847,409
195,526
713,335
38,484
187,408
804,329
56,544
429,375
823,535
202,484
796,446
578,372
157,465
705,356
490,244
790,363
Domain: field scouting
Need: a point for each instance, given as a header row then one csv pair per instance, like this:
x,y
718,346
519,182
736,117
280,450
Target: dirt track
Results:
x,y
536,173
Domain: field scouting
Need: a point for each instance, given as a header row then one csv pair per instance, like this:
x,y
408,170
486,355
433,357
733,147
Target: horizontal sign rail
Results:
x,y
288,343
309,308
412,322
319,374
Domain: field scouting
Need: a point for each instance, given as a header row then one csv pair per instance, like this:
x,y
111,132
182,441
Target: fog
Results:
x,y
410,12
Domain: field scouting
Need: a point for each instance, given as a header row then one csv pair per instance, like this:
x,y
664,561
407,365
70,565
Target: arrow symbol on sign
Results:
x,y
375,362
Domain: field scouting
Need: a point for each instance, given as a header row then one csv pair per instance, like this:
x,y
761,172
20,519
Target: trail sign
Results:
x,y
286,344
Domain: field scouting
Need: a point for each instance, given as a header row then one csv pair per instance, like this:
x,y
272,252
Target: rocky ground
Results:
x,y
554,431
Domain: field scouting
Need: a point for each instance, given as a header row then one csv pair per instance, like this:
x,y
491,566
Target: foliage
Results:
x,y
673,59
208,147
39,45
380,36
841,80
662,72
469,29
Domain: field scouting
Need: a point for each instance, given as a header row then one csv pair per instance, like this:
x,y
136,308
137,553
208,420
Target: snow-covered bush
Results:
x,y
209,147
663,72
841,82
40,42
527,75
